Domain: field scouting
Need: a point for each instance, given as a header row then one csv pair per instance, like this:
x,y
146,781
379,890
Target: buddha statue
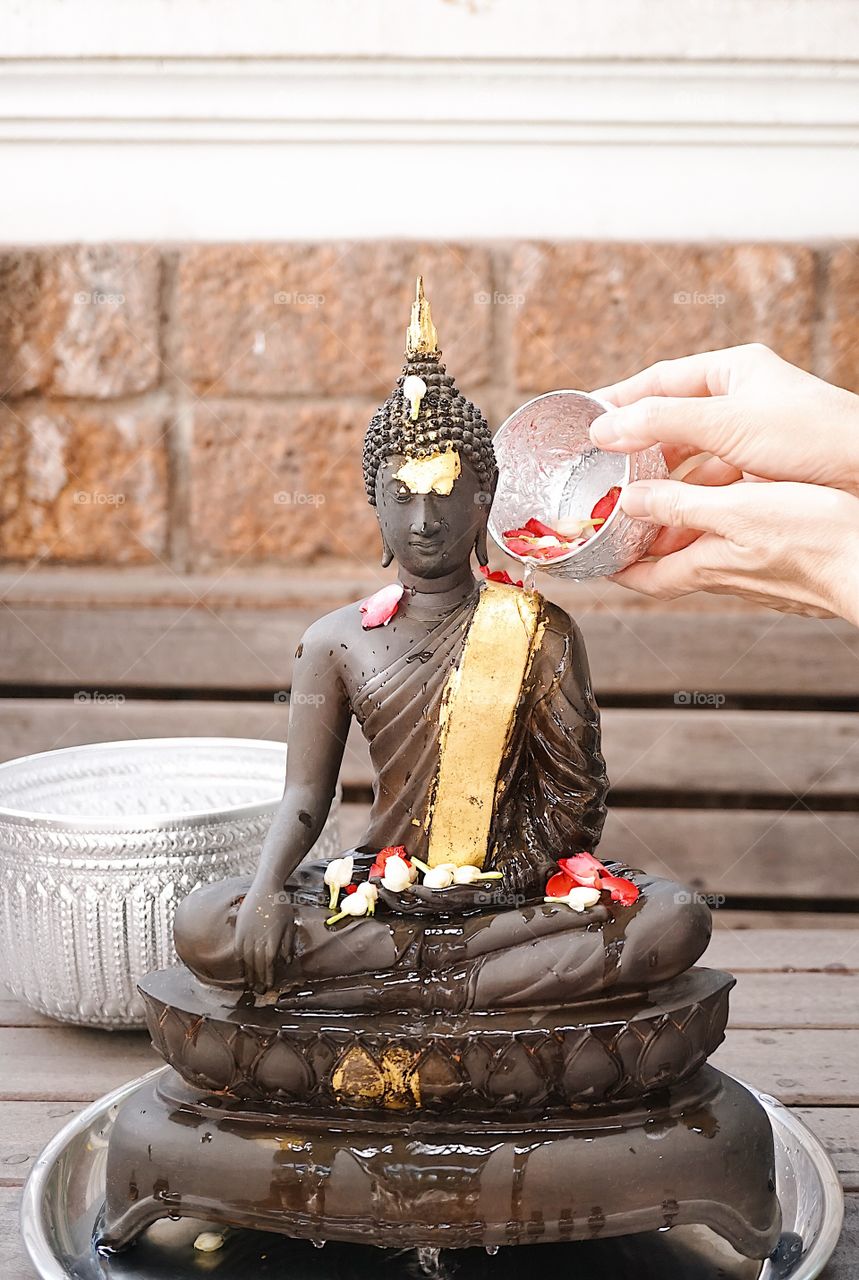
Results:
x,y
480,1062
476,702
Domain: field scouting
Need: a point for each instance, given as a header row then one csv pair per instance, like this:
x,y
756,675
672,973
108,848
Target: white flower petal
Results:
x,y
398,875
581,898
467,875
439,877
209,1241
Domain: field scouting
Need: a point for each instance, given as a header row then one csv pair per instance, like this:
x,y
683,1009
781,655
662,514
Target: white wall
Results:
x,y
238,119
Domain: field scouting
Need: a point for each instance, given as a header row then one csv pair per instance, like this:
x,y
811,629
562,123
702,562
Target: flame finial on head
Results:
x,y
421,335
426,415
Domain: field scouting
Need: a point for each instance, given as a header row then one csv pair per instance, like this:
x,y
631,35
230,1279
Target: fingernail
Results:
x,y
604,430
637,499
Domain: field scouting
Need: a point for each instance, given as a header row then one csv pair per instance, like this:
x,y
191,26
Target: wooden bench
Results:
x,y
731,733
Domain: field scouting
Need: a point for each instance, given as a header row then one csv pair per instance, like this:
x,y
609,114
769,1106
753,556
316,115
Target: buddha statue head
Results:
x,y
429,465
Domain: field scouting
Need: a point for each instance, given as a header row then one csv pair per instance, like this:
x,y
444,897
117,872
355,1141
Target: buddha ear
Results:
x,y
480,545
387,554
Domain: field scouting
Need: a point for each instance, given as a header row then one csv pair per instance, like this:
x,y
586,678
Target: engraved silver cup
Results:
x,y
549,468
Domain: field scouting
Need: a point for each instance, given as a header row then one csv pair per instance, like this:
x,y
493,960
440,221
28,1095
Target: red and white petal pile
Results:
x,y
584,871
377,870
536,540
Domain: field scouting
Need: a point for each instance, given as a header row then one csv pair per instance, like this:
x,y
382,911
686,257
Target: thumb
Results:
x,y
683,506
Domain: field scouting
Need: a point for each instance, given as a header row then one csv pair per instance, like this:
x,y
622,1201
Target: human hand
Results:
x,y
262,923
743,415
758,415
793,547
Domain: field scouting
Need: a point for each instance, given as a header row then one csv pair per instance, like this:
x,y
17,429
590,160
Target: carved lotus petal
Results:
x,y
358,1078
207,1059
696,1029
718,1020
666,1056
175,1029
283,1069
516,1077
439,1076
591,1070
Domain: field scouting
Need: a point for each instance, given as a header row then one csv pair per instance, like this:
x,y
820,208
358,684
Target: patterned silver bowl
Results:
x,y
549,468
98,845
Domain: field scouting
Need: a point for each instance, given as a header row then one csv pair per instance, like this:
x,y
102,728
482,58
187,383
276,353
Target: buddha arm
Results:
x,y
319,716
585,750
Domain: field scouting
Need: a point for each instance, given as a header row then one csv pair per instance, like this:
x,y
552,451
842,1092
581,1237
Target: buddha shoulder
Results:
x,y
561,642
329,637
559,627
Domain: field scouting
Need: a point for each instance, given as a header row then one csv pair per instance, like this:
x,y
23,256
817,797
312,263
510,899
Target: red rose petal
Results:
x,y
552,553
621,889
379,608
607,503
559,885
584,869
526,542
499,575
351,888
541,530
520,546
392,851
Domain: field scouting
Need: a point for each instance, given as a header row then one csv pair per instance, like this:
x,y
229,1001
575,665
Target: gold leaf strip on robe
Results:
x,y
477,713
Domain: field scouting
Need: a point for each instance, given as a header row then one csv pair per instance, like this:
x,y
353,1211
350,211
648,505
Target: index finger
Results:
x,y
705,374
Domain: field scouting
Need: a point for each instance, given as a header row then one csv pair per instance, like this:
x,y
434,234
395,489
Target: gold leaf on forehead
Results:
x,y
433,473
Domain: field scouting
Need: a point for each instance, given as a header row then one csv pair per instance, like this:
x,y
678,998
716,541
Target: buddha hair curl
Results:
x,y
445,420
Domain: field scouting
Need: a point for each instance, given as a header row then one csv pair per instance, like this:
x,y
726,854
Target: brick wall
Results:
x,y
205,406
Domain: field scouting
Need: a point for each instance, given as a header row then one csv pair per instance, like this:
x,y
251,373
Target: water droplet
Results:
x,y
492,1249
318,1244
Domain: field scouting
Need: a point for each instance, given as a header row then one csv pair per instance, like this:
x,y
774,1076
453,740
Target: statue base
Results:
x,y
700,1152
609,1051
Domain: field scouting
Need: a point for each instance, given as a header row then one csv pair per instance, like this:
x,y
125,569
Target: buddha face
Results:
x,y
432,511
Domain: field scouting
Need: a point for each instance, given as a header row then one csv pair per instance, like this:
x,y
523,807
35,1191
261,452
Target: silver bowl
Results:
x,y
549,468
98,845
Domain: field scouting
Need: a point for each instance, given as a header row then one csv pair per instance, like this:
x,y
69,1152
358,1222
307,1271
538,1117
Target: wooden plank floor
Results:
x,y
794,1032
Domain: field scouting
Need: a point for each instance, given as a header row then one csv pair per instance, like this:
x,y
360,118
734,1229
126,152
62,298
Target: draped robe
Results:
x,y
551,782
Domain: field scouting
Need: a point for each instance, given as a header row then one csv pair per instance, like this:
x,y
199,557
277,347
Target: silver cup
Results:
x,y
99,844
549,468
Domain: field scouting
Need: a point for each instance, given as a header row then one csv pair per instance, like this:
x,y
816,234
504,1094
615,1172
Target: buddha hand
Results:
x,y
264,921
